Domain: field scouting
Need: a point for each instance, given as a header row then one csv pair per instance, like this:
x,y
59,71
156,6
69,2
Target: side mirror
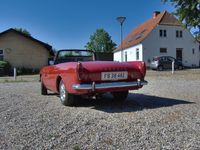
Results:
x,y
50,61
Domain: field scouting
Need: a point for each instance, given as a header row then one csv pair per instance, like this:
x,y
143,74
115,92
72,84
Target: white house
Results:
x,y
161,35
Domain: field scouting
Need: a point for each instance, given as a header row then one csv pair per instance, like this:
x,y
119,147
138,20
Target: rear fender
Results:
x,y
58,79
140,66
68,81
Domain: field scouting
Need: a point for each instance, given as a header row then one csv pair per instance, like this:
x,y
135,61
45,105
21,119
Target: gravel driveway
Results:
x,y
165,114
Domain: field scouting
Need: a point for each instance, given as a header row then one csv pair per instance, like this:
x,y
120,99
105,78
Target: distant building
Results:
x,y
23,51
162,35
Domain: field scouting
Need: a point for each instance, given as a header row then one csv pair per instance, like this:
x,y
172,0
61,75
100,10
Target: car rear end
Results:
x,y
155,63
105,76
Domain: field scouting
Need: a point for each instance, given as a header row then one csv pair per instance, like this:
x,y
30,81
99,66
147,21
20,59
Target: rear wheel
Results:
x,y
180,67
43,89
120,96
66,98
160,68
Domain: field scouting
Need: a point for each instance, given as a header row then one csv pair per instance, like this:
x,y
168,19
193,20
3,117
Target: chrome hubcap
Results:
x,y
62,92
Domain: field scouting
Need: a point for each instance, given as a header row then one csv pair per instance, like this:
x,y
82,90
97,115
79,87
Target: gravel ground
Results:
x,y
165,114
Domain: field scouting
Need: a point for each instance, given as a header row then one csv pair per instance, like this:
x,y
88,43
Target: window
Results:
x,y
73,56
160,33
125,56
163,33
179,54
137,54
163,50
193,51
179,34
1,54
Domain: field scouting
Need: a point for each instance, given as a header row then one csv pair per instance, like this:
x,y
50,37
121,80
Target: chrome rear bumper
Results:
x,y
108,85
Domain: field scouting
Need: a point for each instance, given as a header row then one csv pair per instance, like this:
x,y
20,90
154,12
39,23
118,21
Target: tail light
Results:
x,y
142,68
138,66
82,73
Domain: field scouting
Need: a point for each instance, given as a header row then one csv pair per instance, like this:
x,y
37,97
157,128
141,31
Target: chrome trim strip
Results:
x,y
94,85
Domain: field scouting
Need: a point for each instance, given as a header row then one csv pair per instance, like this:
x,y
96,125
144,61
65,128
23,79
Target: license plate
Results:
x,y
114,75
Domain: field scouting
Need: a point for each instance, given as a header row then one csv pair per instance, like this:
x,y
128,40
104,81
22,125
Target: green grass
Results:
x,y
12,81
24,78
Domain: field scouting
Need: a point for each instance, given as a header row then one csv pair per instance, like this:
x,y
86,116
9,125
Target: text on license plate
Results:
x,y
114,75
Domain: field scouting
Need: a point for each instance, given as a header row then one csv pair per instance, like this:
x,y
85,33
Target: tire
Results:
x,y
180,67
66,98
120,96
160,68
43,89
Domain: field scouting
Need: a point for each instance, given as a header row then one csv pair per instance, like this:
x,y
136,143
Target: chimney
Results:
x,y
155,14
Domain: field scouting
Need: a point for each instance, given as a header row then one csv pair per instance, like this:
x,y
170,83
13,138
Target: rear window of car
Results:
x,y
155,58
171,59
74,56
63,54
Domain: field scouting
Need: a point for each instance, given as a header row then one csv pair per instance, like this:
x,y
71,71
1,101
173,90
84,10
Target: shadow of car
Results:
x,y
135,102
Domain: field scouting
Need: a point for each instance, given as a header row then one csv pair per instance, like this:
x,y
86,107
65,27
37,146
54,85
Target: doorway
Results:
x,y
179,54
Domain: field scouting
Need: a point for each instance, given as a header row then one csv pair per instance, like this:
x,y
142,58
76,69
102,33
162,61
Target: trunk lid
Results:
x,y
95,70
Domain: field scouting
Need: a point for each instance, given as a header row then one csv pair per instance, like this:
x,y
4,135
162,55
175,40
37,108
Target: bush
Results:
x,y
5,66
27,71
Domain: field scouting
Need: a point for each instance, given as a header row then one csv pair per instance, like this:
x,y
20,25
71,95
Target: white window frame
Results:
x,y
179,33
137,54
193,51
163,48
126,56
163,33
2,54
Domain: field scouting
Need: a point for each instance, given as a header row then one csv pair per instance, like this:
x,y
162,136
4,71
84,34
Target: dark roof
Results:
x,y
47,46
143,30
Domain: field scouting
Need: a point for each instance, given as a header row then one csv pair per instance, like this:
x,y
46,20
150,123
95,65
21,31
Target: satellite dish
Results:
x,y
8,50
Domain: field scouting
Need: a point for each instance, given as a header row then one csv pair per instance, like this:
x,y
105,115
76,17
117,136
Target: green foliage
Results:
x,y
27,71
5,66
187,12
24,31
198,36
100,41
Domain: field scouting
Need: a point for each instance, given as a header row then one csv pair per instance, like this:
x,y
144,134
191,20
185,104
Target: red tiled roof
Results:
x,y
143,30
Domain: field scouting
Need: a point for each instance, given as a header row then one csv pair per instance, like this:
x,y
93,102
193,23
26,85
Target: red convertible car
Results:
x,y
75,73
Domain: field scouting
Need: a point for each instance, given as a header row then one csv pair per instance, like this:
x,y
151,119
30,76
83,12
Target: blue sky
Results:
x,y
69,23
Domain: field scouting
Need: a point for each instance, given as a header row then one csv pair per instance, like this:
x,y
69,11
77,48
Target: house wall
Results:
x,y
21,52
131,53
117,56
153,43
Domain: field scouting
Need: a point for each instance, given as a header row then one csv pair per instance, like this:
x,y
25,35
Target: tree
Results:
x,y
100,41
23,31
188,12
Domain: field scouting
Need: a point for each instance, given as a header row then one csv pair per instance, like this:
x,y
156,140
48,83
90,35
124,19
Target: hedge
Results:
x,y
5,66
